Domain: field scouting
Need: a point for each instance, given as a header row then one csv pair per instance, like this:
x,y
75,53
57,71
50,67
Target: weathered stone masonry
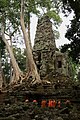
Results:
x,y
44,51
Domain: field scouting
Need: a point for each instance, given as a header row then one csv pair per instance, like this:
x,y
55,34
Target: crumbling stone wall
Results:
x,y
44,51
44,46
61,64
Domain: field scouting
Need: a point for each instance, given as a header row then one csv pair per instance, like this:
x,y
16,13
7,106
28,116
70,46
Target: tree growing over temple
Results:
x,y
17,14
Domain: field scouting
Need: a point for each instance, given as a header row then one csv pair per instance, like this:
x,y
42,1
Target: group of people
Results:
x,y
51,103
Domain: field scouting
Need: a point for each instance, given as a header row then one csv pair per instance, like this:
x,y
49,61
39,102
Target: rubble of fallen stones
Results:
x,y
32,111
23,103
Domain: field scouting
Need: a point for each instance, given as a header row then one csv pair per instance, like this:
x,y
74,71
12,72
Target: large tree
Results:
x,y
16,68
32,65
73,32
4,18
12,13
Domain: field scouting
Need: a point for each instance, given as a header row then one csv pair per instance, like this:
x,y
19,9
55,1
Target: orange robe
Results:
x,y
43,103
50,103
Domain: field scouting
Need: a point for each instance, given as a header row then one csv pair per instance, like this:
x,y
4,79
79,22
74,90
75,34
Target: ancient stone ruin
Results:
x,y
44,51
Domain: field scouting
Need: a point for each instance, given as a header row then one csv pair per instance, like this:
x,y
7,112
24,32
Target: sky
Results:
x,y
62,29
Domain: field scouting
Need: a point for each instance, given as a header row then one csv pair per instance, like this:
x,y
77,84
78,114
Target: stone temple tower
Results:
x,y
44,46
48,60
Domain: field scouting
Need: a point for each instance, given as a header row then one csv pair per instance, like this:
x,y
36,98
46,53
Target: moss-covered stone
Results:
x,y
45,55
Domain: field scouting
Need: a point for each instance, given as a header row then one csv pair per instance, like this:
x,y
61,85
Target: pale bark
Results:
x,y
32,65
12,73
16,68
29,40
1,79
29,29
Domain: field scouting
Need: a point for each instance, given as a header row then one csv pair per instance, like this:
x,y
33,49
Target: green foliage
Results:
x,y
45,3
2,46
3,3
56,34
20,57
55,16
6,63
73,32
10,11
78,75
72,67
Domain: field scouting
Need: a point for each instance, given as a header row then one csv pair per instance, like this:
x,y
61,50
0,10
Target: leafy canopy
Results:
x,y
73,32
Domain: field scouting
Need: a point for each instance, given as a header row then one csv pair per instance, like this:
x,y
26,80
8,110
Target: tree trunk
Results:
x,y
16,68
1,79
32,65
29,29
12,73
27,67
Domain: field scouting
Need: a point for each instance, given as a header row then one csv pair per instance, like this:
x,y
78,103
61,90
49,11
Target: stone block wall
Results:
x,y
45,55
